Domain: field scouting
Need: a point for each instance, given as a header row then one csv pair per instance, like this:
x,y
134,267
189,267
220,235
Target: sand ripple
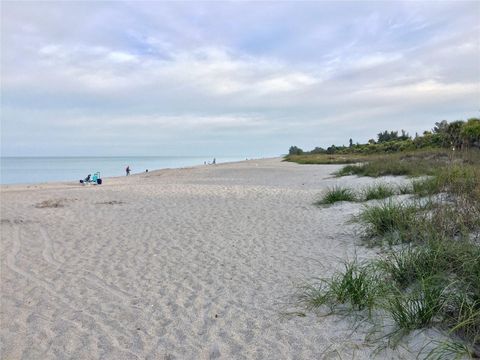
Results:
x,y
179,264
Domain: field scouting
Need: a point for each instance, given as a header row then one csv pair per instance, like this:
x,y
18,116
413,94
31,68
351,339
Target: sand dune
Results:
x,y
195,263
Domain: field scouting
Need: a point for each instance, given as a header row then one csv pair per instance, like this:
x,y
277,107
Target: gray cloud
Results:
x,y
178,77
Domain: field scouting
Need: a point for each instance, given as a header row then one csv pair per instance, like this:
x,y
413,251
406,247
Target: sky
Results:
x,y
230,78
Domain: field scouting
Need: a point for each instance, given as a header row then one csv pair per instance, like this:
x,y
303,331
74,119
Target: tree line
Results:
x,y
456,134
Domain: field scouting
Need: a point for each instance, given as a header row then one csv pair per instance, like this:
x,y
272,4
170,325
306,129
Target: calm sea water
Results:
x,y
30,170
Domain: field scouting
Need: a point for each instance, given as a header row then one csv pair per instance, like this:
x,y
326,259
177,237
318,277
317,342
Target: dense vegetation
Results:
x,y
457,134
428,272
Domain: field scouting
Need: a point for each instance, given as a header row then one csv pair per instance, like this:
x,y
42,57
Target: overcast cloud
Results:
x,y
241,78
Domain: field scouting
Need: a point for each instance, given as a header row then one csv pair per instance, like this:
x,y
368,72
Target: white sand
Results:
x,y
193,263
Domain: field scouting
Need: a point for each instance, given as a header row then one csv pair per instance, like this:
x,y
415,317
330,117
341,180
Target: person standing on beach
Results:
x,y
127,170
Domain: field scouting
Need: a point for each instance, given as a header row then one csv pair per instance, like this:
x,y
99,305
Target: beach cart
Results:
x,y
95,179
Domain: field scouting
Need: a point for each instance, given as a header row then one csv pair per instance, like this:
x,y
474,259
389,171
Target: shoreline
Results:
x,y
73,183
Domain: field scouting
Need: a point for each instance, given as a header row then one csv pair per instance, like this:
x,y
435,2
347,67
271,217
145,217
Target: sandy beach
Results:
x,y
194,263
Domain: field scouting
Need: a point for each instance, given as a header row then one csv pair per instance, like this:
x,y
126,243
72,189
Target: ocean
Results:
x,y
31,170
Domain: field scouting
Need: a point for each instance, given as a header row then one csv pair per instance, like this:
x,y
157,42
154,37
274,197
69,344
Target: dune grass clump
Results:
x,y
372,192
356,287
458,219
380,168
409,264
462,317
453,264
377,192
376,169
426,187
461,180
389,219
349,170
451,350
419,307
337,194
442,257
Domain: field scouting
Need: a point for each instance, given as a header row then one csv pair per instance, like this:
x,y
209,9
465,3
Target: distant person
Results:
x,y
146,170
214,161
127,170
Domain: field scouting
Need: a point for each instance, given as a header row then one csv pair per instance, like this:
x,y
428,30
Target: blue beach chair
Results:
x,y
96,179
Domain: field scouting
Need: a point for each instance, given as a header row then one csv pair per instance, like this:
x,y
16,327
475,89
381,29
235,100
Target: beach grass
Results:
x,y
450,350
429,273
377,191
353,288
373,192
426,187
327,159
409,264
417,308
336,194
391,220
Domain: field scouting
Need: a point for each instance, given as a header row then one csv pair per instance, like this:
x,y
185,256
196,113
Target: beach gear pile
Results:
x,y
95,179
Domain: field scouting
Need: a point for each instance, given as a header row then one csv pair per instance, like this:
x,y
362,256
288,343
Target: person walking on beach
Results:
x,y
127,170
214,161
